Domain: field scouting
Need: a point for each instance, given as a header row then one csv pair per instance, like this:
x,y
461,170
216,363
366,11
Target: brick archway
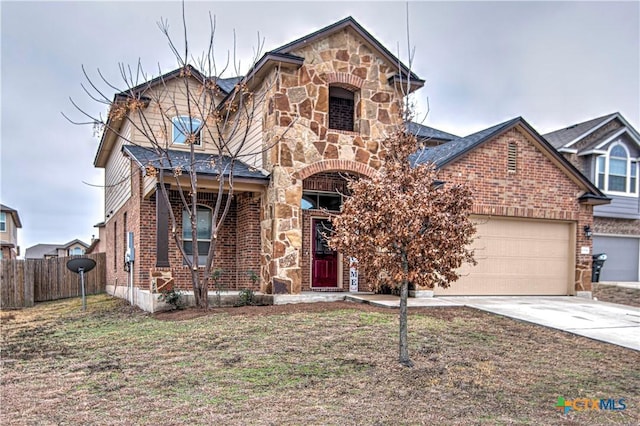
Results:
x,y
336,166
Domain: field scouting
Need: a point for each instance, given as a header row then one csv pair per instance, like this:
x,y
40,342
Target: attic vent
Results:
x,y
512,157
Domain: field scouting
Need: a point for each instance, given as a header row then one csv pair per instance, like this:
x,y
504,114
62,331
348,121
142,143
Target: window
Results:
x,y
616,172
115,245
76,251
185,130
341,109
3,221
203,222
321,200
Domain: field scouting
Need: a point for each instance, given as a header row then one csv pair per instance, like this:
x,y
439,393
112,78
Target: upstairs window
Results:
x,y
76,251
186,130
616,172
203,235
3,221
341,109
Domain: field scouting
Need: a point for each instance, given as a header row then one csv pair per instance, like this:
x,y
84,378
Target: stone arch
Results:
x,y
336,166
345,80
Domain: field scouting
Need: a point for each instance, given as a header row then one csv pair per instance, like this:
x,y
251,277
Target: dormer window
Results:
x,y
341,109
186,130
616,172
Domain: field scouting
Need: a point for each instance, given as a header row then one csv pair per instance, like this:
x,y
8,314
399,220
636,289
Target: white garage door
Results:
x,y
518,257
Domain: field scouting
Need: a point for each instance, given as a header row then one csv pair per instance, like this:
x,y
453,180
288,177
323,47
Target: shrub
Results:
x,y
172,297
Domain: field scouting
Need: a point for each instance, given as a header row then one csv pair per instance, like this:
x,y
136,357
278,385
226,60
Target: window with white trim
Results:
x,y
203,223
186,130
617,172
3,221
76,251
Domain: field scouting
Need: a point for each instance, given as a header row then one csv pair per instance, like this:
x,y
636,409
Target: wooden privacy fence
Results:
x,y
24,282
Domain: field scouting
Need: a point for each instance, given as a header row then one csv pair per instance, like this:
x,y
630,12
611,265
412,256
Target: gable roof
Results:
x,y
146,156
108,138
426,132
447,153
347,22
39,251
563,139
13,213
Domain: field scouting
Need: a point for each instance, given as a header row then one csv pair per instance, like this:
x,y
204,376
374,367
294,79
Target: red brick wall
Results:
x,y
537,190
236,252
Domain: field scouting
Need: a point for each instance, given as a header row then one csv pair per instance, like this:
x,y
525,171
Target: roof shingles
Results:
x,y
206,164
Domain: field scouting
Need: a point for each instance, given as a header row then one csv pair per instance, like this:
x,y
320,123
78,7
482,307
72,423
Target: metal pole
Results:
x,y
84,299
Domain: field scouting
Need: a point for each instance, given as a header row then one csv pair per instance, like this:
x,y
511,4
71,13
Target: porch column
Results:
x,y
286,232
162,230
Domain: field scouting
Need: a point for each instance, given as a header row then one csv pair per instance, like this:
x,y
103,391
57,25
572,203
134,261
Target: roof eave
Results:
x,y
359,29
401,82
593,199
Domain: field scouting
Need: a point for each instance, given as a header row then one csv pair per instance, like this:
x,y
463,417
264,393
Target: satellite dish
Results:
x,y
80,265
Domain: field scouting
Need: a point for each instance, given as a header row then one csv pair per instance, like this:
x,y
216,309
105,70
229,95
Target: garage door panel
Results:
x,y
622,253
517,257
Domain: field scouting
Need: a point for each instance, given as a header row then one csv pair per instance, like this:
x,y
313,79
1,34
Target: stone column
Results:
x,y
284,199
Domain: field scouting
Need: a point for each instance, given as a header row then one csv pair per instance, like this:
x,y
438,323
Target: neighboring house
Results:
x,y
9,224
342,86
49,251
607,151
97,244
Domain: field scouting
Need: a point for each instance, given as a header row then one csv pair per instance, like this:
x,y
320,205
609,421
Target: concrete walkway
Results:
x,y
606,322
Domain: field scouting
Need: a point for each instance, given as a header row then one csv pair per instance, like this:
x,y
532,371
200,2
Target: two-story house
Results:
x,y
607,150
330,100
50,251
9,224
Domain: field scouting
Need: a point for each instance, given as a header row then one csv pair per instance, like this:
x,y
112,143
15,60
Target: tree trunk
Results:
x,y
404,294
200,293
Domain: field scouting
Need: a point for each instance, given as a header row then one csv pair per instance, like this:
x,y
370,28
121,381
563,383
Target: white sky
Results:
x,y
553,63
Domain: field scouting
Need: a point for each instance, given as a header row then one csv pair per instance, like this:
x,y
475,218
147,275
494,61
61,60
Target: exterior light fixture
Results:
x,y
587,231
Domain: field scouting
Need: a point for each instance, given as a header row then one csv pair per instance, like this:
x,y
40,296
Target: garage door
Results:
x,y
622,257
518,257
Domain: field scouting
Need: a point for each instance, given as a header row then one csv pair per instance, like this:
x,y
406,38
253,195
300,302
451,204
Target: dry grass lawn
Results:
x,y
307,364
614,294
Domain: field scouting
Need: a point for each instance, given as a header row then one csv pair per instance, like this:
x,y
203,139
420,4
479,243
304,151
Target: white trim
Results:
x,y
593,151
600,234
632,192
568,150
617,135
182,119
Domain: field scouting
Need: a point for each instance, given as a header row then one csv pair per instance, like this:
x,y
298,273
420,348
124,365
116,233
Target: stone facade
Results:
x,y
616,226
304,144
267,231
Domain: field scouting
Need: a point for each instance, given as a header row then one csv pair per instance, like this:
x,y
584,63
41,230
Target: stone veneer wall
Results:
x,y
616,226
537,190
296,127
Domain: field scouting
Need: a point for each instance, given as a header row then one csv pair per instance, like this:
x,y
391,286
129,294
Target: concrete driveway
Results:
x,y
607,322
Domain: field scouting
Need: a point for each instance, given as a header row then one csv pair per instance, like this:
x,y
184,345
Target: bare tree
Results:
x,y
188,102
405,227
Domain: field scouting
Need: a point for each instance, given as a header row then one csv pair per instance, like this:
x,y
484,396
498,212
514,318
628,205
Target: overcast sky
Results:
x,y
553,63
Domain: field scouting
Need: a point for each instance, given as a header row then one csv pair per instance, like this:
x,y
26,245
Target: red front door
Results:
x,y
324,270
